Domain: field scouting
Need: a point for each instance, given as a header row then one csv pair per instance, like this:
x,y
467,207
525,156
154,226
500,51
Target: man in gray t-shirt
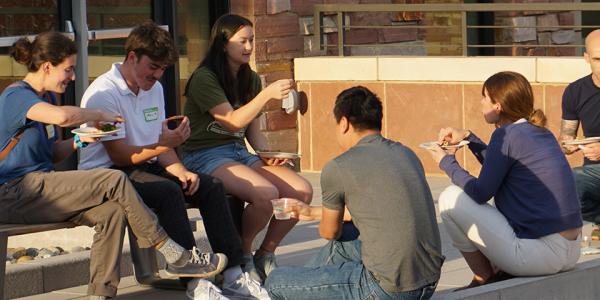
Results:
x,y
382,185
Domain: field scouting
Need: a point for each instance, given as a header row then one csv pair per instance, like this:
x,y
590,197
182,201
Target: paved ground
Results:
x,y
296,248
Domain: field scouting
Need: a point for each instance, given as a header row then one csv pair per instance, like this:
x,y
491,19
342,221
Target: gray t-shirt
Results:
x,y
383,185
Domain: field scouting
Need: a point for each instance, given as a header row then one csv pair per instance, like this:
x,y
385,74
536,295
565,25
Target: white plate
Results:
x,y
270,154
429,145
582,141
93,132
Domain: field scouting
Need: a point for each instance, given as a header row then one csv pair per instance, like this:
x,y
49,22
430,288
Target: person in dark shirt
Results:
x,y
581,104
534,226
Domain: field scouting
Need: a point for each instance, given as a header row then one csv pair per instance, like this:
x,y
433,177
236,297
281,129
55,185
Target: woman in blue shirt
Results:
x,y
533,228
31,192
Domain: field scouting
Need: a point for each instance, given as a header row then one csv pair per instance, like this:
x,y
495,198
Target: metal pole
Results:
x,y
165,13
340,29
81,39
318,37
465,49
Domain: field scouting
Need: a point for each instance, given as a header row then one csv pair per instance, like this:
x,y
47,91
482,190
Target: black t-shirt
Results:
x,y
581,101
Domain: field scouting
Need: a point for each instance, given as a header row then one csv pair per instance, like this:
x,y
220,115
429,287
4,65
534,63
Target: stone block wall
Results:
x,y
422,95
548,32
413,114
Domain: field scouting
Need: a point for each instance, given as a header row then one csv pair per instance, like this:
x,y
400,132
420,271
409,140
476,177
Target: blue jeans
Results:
x,y
587,182
206,161
336,272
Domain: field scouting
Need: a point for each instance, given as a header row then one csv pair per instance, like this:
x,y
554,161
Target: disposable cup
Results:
x,y
280,206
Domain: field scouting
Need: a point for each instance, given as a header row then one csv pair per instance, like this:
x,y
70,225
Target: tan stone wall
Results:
x,y
420,95
413,114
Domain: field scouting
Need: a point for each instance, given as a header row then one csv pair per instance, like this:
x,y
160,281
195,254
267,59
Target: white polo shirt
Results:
x,y
143,114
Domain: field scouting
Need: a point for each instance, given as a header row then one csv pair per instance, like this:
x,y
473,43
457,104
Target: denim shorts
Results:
x,y
208,160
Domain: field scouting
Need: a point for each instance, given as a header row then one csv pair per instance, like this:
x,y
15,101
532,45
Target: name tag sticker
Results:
x,y
151,114
50,131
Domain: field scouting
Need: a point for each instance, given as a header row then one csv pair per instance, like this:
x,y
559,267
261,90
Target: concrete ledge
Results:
x,y
452,68
561,70
335,68
580,283
69,270
438,69
54,273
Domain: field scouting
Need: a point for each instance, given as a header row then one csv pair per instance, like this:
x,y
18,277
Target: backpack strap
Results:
x,y
13,142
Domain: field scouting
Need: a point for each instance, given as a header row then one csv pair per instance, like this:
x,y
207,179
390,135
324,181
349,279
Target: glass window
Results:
x,y
20,17
193,32
109,14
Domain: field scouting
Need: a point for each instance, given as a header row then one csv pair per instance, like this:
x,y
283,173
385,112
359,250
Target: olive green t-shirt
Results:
x,y
205,92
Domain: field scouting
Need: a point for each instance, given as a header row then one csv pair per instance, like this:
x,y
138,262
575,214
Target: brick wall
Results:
x,y
284,30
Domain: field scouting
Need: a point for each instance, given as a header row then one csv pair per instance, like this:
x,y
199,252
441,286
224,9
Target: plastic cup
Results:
x,y
280,206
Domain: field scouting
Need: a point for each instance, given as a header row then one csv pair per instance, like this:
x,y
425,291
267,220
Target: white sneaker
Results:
x,y
246,288
202,289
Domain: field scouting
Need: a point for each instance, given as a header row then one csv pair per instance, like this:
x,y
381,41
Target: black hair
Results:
x,y
361,107
238,89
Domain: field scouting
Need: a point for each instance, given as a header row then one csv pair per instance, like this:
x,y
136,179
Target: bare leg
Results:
x,y
246,184
290,185
480,265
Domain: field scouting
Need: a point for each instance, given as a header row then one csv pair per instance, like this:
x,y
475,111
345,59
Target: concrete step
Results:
x,y
69,270
580,283
63,271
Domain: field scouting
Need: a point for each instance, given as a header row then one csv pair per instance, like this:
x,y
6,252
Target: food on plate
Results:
x,y
107,127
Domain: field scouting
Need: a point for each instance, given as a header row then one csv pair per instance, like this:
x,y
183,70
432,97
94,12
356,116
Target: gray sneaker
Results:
x,y
265,264
200,265
251,269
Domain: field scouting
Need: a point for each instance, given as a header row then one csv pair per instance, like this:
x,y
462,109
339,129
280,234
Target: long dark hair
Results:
x,y
48,46
238,89
514,93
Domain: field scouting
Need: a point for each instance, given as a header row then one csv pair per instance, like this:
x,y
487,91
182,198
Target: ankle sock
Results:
x,y
232,273
174,254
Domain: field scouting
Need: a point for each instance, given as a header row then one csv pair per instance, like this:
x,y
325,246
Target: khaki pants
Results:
x,y
101,198
482,227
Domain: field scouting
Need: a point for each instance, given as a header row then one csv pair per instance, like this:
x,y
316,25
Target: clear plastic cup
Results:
x,y
280,206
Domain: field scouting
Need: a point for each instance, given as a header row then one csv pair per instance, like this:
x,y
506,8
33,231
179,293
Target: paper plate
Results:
x,y
93,132
273,154
429,145
582,141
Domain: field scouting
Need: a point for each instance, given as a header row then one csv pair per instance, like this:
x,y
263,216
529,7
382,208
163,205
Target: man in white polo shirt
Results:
x,y
144,150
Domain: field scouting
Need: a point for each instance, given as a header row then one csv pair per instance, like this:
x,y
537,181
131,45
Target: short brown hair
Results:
x,y
151,40
514,93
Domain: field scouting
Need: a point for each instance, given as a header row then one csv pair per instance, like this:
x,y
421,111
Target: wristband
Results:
x,y
79,143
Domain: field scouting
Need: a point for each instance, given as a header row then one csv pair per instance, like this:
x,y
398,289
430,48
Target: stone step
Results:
x,y
580,283
69,270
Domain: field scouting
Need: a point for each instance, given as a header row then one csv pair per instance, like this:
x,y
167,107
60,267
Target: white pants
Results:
x,y
482,227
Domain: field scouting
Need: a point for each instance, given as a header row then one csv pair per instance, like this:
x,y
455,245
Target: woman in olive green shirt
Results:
x,y
224,97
